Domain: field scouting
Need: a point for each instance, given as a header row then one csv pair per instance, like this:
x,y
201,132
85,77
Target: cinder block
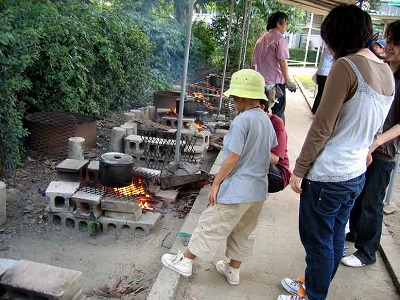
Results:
x,y
63,219
87,203
146,222
203,138
167,196
119,204
131,128
134,216
59,195
134,145
46,281
107,222
93,169
73,170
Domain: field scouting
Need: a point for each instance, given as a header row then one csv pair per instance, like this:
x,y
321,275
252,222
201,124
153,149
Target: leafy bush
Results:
x,y
202,47
299,53
168,39
65,56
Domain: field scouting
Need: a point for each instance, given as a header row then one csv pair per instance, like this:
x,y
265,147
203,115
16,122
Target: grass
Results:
x,y
306,81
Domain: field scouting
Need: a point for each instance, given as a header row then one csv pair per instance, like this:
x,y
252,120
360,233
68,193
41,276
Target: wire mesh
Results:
x,y
159,147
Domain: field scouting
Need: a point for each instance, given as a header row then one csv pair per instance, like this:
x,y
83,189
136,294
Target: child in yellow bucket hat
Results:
x,y
240,187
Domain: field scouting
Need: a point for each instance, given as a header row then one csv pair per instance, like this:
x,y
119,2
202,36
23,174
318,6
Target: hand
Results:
x,y
290,86
369,159
212,196
295,183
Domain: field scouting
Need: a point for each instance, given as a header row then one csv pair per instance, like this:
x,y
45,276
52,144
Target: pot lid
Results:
x,y
116,158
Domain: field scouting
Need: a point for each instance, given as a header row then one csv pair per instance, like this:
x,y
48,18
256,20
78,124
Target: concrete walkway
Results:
x,y
278,251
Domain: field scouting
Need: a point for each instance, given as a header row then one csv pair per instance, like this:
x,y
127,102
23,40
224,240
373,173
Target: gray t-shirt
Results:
x,y
251,136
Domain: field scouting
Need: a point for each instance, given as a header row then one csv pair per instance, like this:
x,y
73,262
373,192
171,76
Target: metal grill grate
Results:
x,y
159,148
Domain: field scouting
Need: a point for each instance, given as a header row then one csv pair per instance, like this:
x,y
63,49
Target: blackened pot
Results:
x,y
115,169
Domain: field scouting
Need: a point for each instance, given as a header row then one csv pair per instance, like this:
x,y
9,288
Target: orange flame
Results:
x,y
174,112
198,95
136,189
200,126
143,203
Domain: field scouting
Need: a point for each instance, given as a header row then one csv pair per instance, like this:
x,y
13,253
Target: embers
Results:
x,y
137,190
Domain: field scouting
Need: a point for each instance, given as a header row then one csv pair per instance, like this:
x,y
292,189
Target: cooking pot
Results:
x,y
116,169
189,106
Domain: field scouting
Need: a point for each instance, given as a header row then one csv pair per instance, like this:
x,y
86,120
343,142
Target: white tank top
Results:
x,y
345,153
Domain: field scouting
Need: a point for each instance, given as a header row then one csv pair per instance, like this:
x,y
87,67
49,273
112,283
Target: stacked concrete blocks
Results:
x,y
124,209
146,222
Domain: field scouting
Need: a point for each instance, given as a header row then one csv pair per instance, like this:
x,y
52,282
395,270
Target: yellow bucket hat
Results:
x,y
247,83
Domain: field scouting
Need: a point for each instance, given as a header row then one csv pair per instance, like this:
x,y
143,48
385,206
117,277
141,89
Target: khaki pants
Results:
x,y
230,223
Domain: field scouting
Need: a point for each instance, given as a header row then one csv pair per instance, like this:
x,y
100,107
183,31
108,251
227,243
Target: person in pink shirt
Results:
x,y
269,59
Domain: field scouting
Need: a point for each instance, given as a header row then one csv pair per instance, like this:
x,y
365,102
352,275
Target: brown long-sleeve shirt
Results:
x,y
340,87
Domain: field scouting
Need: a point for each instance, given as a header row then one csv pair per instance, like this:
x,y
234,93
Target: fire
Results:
x,y
174,112
143,203
200,126
198,95
136,189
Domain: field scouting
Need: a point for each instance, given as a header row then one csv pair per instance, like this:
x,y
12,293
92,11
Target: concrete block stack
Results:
x,y
72,204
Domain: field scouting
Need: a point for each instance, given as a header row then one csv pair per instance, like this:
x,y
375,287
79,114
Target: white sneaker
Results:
x,y
292,286
178,263
291,297
231,274
352,261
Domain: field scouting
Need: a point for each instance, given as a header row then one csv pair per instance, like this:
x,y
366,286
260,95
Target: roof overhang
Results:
x,y
320,7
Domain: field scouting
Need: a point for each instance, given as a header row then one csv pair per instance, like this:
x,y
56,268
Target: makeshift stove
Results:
x,y
74,204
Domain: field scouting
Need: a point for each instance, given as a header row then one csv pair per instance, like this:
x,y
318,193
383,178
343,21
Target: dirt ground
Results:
x,y
116,259
123,260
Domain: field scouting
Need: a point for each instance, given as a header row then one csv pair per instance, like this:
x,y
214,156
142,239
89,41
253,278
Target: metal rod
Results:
x,y
247,35
183,83
308,38
226,55
392,181
243,30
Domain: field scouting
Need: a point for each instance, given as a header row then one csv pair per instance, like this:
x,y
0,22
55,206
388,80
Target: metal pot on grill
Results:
x,y
115,169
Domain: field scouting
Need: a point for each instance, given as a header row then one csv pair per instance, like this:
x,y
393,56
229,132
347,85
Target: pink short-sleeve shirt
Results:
x,y
270,47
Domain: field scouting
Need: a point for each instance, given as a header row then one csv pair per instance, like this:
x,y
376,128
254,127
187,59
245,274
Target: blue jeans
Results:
x,y
367,214
324,211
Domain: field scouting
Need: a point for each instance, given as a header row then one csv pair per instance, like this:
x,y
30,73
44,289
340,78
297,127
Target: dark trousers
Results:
x,y
367,214
279,107
321,85
275,180
324,211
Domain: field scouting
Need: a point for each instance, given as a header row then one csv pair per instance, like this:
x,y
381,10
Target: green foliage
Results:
x,y
168,39
93,227
261,9
298,54
65,56
202,46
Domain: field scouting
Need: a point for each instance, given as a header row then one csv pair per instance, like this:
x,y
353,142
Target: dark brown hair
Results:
x,y
393,33
346,30
275,18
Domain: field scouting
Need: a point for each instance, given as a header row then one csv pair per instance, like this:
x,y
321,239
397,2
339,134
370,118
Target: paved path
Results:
x,y
278,251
